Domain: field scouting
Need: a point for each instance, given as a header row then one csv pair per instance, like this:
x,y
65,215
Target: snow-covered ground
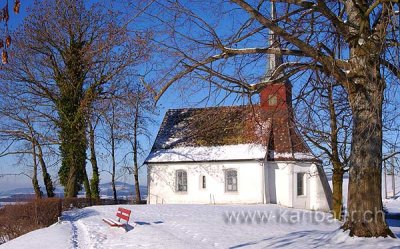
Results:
x,y
205,226
199,226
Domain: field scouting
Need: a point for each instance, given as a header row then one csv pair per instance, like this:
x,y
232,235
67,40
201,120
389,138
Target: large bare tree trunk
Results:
x,y
365,209
366,93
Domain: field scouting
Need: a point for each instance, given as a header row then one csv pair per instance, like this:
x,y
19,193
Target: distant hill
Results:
x,y
18,191
124,190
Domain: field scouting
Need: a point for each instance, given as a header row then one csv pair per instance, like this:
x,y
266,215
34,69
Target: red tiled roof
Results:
x,y
217,126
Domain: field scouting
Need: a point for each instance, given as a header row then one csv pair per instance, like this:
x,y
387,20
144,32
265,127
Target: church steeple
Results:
x,y
274,60
277,96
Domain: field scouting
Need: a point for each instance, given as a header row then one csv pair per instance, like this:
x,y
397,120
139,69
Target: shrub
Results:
x,y
67,203
21,218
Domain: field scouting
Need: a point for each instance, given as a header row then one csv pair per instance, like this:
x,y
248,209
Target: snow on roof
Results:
x,y
213,153
272,155
210,134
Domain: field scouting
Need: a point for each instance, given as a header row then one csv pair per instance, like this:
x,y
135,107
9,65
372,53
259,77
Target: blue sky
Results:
x,y
5,163
173,98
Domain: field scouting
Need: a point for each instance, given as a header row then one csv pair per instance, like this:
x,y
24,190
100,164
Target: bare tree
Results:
x,y
125,115
325,121
23,131
139,111
112,133
67,53
309,31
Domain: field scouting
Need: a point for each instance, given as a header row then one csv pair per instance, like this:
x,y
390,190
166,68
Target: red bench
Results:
x,y
122,214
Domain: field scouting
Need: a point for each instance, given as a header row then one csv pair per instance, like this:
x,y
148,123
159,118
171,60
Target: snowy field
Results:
x,y
204,226
199,226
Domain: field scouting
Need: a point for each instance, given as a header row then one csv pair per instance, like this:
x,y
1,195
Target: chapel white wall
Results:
x,y
162,187
282,187
281,184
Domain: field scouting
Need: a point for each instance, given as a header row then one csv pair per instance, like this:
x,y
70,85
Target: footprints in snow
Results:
x,y
83,234
193,235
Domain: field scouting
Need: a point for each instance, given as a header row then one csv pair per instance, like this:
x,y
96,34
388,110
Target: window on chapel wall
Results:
x,y
300,184
231,180
181,181
203,182
272,100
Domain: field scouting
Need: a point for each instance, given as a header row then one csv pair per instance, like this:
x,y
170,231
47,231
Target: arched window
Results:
x,y
181,181
231,180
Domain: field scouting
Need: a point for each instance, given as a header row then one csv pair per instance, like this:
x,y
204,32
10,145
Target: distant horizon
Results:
x,y
7,184
59,188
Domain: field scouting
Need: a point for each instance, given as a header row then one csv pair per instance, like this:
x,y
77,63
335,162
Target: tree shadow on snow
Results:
x,y
314,238
142,223
394,223
76,214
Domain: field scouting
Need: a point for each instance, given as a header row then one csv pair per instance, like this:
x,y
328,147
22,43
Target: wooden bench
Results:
x,y
122,214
